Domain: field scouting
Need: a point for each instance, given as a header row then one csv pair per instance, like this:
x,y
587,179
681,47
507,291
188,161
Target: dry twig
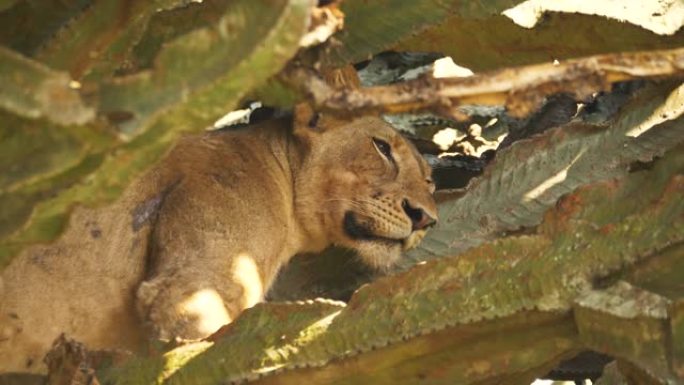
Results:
x,y
520,89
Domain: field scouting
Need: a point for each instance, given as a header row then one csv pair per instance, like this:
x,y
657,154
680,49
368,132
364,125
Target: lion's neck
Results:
x,y
308,236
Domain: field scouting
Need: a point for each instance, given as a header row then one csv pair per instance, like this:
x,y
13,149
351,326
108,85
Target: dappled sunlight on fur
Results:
x,y
207,306
246,274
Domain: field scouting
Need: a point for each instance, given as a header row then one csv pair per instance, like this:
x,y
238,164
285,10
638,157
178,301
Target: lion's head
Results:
x,y
371,189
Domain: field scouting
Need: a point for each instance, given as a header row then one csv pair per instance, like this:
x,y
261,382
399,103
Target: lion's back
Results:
x,y
81,284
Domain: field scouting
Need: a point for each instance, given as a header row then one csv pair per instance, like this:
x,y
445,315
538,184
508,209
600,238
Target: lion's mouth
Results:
x,y
358,231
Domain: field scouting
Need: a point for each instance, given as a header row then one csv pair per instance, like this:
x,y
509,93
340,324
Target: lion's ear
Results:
x,y
307,121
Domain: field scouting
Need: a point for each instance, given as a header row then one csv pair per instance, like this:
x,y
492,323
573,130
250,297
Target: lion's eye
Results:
x,y
383,148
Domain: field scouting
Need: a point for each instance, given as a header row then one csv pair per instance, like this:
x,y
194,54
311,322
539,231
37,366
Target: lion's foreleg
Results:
x,y
187,306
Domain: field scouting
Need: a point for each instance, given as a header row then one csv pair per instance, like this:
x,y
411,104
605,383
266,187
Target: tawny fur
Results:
x,y
202,236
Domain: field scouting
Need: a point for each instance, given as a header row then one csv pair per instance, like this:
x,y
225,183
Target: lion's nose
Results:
x,y
419,218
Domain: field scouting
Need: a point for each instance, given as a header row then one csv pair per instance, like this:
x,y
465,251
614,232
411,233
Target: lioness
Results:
x,y
202,236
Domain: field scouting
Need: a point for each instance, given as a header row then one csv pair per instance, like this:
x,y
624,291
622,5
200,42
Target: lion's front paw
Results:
x,y
174,312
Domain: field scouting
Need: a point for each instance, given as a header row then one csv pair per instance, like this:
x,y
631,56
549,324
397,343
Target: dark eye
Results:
x,y
383,147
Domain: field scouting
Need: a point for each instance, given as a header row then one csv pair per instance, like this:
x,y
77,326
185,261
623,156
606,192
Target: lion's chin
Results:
x,y
379,254
414,239
376,251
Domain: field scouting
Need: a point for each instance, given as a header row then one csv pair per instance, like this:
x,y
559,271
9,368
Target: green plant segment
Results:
x,y
32,90
520,185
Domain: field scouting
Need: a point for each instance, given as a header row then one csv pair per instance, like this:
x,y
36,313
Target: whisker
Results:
x,y
357,202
